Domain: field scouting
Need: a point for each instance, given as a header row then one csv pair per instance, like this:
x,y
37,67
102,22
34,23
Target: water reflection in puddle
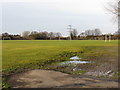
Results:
x,y
76,60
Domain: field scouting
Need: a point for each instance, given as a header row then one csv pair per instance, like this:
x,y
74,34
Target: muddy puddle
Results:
x,y
73,74
72,67
81,66
74,60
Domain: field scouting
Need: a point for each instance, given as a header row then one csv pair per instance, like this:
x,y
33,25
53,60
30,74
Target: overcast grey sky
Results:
x,y
56,15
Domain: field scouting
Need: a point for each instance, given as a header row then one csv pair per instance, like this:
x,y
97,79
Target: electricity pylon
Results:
x,y
70,30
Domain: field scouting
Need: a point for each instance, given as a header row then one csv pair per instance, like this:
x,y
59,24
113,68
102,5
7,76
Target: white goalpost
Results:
x,y
108,38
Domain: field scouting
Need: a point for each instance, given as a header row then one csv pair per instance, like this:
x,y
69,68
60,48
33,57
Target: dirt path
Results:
x,y
53,79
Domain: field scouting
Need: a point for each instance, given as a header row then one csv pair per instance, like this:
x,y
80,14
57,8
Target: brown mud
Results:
x,y
53,79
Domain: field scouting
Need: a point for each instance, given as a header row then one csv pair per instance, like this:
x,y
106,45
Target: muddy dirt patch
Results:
x,y
54,79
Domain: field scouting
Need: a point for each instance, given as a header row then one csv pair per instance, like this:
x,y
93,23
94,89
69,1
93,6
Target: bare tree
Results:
x,y
74,33
113,7
25,33
44,35
58,35
97,32
93,32
34,32
87,32
51,35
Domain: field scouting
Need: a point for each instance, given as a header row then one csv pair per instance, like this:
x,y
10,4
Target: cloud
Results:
x,y
55,15
74,6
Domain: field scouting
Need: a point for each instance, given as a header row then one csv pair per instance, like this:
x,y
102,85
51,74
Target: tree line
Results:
x,y
34,35
94,34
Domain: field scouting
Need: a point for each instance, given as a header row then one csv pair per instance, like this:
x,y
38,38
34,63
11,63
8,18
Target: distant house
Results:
x,y
81,38
82,34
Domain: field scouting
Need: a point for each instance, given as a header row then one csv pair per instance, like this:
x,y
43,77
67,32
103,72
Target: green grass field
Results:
x,y
24,54
27,53
20,55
